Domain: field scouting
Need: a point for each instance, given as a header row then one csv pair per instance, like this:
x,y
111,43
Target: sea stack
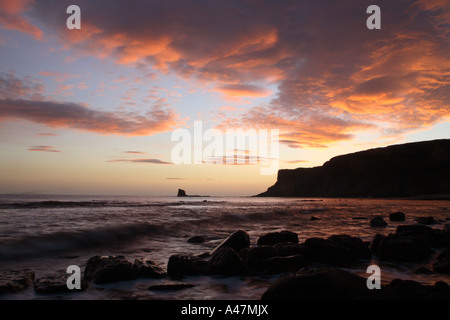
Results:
x,y
181,193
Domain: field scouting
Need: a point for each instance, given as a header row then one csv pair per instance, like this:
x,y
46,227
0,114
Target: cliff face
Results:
x,y
407,170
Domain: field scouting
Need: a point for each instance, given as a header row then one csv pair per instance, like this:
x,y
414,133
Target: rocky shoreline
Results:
x,y
314,269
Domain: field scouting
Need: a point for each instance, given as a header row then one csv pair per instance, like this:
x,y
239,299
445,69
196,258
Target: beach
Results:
x,y
46,234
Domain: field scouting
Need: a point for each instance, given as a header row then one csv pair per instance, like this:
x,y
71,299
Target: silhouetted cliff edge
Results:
x,y
408,170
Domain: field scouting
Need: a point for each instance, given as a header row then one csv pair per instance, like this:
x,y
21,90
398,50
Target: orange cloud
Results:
x,y
11,17
243,90
43,149
75,116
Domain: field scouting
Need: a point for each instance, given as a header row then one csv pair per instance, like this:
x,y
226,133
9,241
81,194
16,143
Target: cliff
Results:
x,y
408,170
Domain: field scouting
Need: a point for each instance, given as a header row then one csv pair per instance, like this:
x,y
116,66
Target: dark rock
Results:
x,y
327,252
227,262
147,269
378,221
107,269
236,241
56,283
397,216
255,256
412,290
323,284
444,255
442,266
440,239
15,281
313,218
415,230
426,220
446,228
171,286
290,249
376,242
181,193
409,289
284,264
435,238
277,237
197,239
357,247
441,286
423,270
399,247
411,169
179,265
204,255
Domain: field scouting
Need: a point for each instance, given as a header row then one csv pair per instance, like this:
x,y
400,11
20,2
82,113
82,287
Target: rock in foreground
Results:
x,y
107,269
15,281
323,284
278,237
147,269
56,283
236,241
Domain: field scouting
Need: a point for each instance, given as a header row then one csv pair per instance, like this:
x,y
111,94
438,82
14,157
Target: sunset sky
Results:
x,y
92,111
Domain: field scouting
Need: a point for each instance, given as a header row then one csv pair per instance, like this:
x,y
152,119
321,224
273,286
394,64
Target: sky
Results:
x,y
93,111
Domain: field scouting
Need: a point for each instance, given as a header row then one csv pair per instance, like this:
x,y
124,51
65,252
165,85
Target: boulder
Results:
x,y
426,220
284,264
398,247
179,265
376,242
327,252
397,216
278,237
15,280
197,239
56,283
147,269
378,221
442,266
409,289
255,256
357,247
412,290
323,284
284,249
108,269
436,238
415,230
236,241
444,255
227,262
446,228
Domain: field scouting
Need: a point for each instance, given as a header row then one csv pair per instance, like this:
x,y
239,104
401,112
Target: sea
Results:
x,y
47,234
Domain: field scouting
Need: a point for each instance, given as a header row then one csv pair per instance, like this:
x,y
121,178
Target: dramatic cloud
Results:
x,y
43,149
151,161
12,17
75,116
242,90
334,77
